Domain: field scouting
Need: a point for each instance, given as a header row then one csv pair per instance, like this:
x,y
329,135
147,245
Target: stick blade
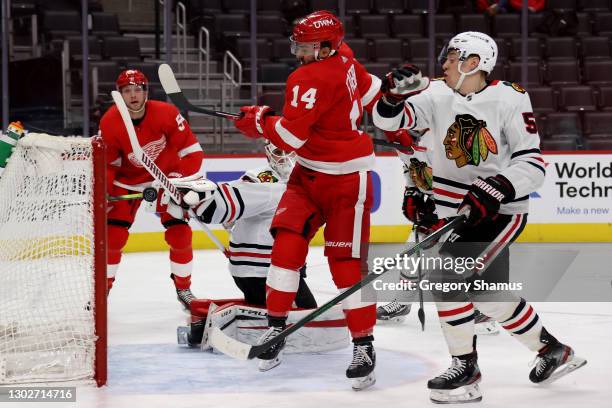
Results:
x,y
228,345
167,79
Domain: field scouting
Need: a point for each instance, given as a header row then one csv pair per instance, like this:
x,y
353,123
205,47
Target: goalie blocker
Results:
x,y
246,323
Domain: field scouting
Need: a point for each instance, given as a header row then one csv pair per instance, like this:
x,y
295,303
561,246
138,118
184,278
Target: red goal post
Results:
x,y
53,261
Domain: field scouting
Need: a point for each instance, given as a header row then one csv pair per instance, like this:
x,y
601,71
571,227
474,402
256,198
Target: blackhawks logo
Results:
x,y
267,177
468,141
420,173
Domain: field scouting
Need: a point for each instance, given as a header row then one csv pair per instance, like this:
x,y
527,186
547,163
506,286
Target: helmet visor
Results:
x,y
300,49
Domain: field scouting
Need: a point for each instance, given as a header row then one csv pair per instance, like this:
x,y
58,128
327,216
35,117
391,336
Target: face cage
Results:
x,y
281,161
305,48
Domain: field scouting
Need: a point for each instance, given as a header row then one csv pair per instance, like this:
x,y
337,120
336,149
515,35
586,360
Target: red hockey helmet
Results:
x,y
132,77
318,27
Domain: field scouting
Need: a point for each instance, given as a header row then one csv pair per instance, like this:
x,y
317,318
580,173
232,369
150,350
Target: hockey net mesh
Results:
x,y
47,327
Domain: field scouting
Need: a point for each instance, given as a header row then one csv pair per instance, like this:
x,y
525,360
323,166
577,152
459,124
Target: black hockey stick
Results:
x,y
421,312
174,92
237,349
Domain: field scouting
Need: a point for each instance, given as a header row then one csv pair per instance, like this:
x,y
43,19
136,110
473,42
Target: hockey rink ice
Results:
x,y
147,368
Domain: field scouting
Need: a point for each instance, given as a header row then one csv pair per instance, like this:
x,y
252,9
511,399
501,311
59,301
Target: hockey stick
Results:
x,y
155,171
421,312
174,92
237,349
132,196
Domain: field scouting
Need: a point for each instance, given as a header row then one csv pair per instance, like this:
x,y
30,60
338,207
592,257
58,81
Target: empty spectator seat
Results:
x,y
330,5
389,50
360,49
237,6
358,7
563,125
558,144
59,24
602,23
598,144
243,49
534,74
605,98
276,72
543,99
598,125
378,69
76,48
274,99
121,48
389,6
577,98
534,49
271,25
562,72
595,48
473,22
507,25
598,72
374,26
445,26
594,5
231,25
104,24
419,48
408,26
558,48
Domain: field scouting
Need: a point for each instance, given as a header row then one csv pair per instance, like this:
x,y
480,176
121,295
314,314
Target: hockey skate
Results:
x,y
554,360
459,383
361,369
393,312
273,356
185,297
483,324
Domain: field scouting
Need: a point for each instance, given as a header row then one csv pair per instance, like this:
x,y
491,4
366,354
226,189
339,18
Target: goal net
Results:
x,y
52,261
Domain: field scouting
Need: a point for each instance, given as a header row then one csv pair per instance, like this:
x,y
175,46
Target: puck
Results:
x,y
149,194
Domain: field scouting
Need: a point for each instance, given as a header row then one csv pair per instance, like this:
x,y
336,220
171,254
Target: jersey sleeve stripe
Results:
x,y
538,167
450,194
523,152
372,91
288,137
451,183
231,202
240,202
222,195
190,149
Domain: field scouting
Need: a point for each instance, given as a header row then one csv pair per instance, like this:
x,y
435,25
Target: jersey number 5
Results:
x,y
309,97
530,122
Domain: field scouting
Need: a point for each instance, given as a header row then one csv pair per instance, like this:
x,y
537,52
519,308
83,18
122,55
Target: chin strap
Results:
x,y
139,110
463,75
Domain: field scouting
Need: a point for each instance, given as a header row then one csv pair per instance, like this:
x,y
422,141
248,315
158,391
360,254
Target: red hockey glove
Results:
x,y
401,83
402,137
251,123
485,197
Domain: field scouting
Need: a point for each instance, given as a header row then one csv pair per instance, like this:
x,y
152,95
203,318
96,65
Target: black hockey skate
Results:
x,y
459,383
272,357
184,296
483,324
393,312
361,369
554,360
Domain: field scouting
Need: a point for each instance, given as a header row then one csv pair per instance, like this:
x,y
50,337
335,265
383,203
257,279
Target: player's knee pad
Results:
x,y
289,250
178,236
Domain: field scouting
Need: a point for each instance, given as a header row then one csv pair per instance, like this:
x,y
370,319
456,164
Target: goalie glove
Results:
x,y
402,83
484,198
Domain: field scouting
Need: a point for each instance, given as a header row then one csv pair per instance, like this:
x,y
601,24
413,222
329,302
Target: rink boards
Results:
x,y
573,205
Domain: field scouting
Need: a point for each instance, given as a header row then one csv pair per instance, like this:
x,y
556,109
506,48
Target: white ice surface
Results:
x,y
148,369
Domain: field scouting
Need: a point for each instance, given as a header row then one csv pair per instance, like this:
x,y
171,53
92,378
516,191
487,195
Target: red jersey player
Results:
x,y
165,135
331,183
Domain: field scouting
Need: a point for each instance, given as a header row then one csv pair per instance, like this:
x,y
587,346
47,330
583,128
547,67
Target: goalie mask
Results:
x,y
313,30
468,44
282,162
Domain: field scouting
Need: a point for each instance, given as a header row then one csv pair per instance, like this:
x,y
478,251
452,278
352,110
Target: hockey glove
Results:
x,y
402,137
484,198
419,208
251,123
401,83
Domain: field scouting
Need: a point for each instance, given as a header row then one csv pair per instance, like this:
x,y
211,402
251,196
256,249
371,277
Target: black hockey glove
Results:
x,y
485,197
419,208
401,83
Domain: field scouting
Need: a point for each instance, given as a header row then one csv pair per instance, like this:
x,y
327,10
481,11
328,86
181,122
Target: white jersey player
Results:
x,y
486,161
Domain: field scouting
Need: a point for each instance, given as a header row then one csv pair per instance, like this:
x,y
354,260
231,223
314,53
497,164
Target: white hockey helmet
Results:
x,y
282,162
472,43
